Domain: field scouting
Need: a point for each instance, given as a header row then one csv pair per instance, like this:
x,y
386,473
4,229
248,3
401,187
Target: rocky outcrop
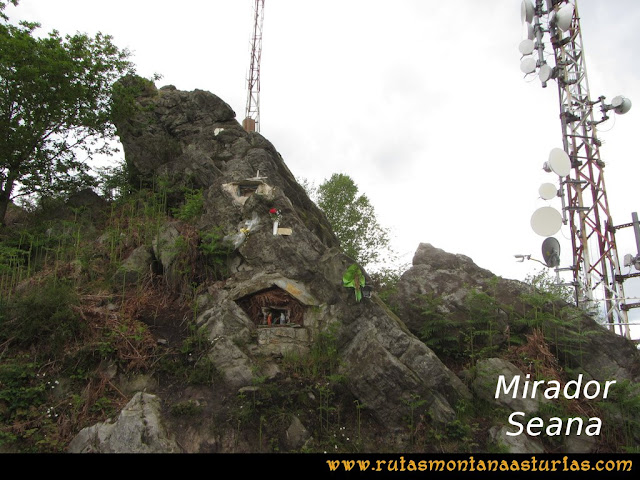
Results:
x,y
484,315
138,429
449,277
453,278
191,139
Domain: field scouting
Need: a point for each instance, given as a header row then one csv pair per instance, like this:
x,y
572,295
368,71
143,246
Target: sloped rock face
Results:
x,y
599,352
191,139
449,277
138,429
549,338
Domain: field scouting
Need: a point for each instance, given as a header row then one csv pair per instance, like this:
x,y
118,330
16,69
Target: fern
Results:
x,y
438,331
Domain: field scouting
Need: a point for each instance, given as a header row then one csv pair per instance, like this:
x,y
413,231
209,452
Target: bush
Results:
x,y
192,207
42,316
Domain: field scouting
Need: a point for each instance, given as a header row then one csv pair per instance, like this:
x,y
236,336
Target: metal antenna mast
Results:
x,y
595,267
251,121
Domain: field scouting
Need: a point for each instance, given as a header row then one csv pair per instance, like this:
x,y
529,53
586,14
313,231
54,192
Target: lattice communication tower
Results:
x,y
585,209
251,120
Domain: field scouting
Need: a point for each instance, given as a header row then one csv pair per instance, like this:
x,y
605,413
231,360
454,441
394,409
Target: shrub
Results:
x,y
42,316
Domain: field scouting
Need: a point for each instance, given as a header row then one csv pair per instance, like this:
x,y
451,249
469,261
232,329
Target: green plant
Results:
x,y
216,252
27,419
623,408
185,409
20,388
103,405
321,361
325,406
192,206
414,402
324,351
203,372
482,331
45,317
438,331
458,430
359,407
353,220
55,107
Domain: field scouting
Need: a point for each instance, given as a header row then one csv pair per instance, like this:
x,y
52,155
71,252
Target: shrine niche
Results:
x,y
242,190
273,307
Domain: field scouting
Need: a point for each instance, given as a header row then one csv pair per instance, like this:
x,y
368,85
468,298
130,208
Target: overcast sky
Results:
x,y
421,102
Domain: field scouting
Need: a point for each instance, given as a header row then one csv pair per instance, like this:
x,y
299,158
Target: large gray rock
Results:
x,y
485,383
135,267
393,373
138,429
514,443
449,278
193,140
452,277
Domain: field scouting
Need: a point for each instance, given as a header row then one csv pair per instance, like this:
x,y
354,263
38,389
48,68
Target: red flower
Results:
x,y
273,211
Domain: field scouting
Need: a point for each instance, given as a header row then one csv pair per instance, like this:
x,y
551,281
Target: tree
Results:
x,y
353,220
55,101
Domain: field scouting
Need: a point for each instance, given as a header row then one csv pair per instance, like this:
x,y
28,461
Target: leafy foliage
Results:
x,y
439,332
544,284
42,316
55,104
353,220
192,207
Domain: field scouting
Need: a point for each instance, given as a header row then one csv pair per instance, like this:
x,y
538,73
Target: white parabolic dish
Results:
x,y
530,32
526,46
559,162
526,11
528,65
546,221
564,17
545,72
547,191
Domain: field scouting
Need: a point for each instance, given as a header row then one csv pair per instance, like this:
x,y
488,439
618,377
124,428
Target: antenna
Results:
x,y
548,191
546,221
551,252
251,121
577,164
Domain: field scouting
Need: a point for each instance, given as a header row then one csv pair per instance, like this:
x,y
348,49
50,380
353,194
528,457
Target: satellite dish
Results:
x,y
528,65
530,33
526,47
564,16
546,221
559,162
621,105
547,191
551,252
545,73
526,11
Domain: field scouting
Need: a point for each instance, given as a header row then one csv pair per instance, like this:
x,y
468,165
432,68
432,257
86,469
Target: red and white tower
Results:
x,y
585,209
251,121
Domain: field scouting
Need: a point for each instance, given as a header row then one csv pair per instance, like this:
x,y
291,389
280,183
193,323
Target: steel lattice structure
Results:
x,y
595,267
252,112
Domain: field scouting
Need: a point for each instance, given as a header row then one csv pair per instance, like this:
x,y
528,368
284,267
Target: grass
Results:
x,y
63,318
